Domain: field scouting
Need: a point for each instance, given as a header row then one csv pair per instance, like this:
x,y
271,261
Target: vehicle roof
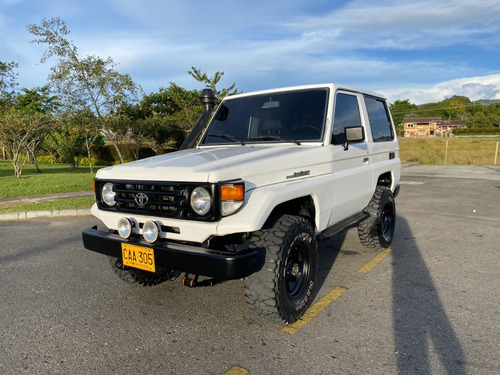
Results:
x,y
332,86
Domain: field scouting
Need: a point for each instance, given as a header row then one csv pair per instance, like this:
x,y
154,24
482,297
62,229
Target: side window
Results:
x,y
346,115
379,120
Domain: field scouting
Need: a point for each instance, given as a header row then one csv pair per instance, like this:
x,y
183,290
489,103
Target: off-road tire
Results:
x,y
377,231
282,290
135,276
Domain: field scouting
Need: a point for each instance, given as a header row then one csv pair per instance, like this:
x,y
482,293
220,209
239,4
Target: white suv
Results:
x,y
261,178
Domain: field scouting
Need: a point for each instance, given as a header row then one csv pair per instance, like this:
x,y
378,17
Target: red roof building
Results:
x,y
425,127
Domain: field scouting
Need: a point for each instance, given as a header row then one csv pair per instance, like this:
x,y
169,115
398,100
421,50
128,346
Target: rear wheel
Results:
x,y
135,276
282,289
377,231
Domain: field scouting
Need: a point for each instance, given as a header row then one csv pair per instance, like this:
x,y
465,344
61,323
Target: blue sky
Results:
x,y
419,50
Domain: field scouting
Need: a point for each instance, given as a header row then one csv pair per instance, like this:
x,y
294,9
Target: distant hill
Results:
x,y
487,101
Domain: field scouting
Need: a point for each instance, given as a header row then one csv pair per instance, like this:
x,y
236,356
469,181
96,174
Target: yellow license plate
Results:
x,y
139,257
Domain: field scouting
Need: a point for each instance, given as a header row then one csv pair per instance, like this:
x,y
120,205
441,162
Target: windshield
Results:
x,y
295,116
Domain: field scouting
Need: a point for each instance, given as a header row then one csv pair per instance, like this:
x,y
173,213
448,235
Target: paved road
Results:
x,y
430,307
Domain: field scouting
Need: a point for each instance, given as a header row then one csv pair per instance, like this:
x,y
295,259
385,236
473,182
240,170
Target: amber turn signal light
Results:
x,y
232,192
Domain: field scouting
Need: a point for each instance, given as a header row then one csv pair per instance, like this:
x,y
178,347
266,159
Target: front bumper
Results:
x,y
181,257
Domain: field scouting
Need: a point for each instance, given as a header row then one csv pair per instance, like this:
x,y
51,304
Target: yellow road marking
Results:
x,y
314,310
236,371
372,263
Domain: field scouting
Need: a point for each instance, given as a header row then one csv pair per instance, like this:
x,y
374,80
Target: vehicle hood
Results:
x,y
256,165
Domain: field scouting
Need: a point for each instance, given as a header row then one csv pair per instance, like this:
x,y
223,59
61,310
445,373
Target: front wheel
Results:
x,y
282,289
377,231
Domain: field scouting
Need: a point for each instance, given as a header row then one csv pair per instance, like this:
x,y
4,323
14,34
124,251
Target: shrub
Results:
x,y
109,156
485,130
46,159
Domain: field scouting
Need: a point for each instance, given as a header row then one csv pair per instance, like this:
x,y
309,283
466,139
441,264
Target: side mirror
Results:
x,y
354,134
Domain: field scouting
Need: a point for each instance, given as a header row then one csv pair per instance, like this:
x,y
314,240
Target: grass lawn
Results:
x,y
461,151
61,204
55,178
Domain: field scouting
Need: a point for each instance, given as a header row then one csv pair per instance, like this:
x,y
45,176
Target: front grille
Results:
x,y
153,198
163,199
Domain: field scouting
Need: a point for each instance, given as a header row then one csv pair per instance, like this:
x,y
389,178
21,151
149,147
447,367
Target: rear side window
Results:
x,y
346,115
379,120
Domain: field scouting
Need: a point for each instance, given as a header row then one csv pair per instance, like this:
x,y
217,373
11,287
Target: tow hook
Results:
x,y
192,282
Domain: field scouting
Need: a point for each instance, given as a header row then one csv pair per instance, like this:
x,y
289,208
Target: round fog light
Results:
x,y
150,231
124,227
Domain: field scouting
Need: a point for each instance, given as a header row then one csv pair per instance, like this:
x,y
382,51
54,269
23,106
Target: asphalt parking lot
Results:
x,y
427,306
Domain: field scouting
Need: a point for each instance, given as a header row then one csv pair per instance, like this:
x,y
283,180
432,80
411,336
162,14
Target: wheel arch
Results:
x,y
389,179
302,206
385,179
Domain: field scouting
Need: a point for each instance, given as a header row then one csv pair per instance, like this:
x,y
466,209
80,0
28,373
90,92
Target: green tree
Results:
x,y
453,108
69,142
86,122
431,110
181,106
75,136
37,99
88,82
8,83
163,130
19,132
211,82
401,109
482,120
115,127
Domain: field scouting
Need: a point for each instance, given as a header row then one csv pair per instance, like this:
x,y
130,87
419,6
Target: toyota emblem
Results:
x,y
141,199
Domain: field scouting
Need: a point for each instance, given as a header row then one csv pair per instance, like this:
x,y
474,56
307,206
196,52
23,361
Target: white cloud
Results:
x,y
475,88
403,14
404,25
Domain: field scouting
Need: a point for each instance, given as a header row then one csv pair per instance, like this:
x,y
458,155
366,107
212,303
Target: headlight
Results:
x,y
124,227
108,195
201,201
150,231
232,197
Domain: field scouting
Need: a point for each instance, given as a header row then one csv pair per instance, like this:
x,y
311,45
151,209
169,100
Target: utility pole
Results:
x,y
496,155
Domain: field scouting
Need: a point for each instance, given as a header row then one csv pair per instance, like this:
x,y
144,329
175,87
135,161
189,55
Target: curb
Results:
x,y
14,216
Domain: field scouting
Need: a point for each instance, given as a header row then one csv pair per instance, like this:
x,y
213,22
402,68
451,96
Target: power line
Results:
x,y
438,108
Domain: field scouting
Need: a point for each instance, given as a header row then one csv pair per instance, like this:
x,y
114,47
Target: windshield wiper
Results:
x,y
272,138
228,137
265,138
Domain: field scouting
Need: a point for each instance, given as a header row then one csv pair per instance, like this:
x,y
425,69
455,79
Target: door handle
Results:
x,y
366,160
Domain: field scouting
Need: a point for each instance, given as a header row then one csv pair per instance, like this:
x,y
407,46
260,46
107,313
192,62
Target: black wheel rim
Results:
x,y
387,221
297,271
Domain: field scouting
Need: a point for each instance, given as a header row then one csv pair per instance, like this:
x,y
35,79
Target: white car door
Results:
x,y
352,166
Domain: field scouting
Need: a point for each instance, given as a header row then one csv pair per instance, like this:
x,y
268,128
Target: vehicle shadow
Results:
x,y
328,251
422,331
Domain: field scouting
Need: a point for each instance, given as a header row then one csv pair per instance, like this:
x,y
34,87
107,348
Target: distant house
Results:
x,y
421,127
447,127
425,127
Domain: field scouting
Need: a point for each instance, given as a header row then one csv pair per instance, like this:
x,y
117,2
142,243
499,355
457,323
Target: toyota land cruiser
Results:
x,y
262,177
